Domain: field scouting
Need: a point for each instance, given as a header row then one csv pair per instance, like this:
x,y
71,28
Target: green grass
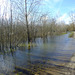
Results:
x,y
71,34
22,45
62,33
27,45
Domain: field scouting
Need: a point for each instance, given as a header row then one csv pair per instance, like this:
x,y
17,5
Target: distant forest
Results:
x,y
23,21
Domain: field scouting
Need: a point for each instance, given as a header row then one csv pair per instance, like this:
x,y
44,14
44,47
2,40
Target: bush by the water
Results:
x,y
71,34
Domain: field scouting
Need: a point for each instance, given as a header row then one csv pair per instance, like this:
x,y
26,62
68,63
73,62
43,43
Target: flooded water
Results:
x,y
50,51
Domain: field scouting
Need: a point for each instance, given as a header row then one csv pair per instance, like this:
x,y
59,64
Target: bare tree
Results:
x,y
30,6
10,23
72,17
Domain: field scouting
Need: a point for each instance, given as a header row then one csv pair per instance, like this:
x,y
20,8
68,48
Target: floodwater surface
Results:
x,y
50,51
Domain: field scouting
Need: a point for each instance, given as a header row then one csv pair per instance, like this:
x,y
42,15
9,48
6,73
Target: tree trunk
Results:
x,y
26,17
11,28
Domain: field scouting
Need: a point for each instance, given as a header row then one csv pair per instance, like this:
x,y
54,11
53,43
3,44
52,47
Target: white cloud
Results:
x,y
46,0
67,20
57,1
45,18
4,8
64,18
52,0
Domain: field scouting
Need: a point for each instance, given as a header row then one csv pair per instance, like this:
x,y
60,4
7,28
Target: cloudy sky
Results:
x,y
61,8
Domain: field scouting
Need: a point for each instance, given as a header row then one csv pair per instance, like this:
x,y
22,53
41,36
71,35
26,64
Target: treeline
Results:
x,y
24,22
11,36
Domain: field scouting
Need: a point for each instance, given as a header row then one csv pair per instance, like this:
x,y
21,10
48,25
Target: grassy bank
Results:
x,y
71,34
61,33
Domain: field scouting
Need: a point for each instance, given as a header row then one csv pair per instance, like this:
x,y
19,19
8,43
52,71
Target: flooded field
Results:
x,y
48,55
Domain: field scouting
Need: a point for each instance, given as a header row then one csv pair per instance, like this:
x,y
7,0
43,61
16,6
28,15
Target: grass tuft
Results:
x,y
71,34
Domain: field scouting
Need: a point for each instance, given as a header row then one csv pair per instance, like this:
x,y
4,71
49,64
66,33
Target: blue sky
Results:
x,y
61,8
